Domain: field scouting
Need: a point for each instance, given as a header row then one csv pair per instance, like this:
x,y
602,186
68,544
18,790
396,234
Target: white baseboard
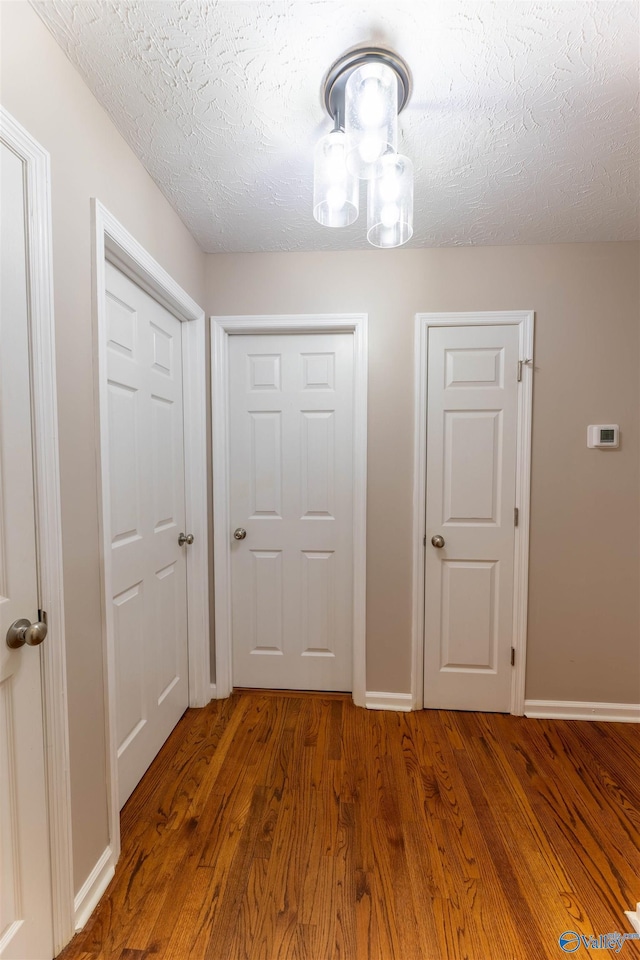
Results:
x,y
212,690
634,917
388,701
582,710
92,889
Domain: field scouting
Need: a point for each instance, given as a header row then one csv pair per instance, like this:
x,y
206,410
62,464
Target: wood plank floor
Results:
x,y
277,826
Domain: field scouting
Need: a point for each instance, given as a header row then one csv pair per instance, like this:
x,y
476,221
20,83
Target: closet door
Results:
x,y
147,507
291,507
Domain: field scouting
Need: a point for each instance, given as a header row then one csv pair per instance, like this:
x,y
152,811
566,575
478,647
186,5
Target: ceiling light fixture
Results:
x,y
364,92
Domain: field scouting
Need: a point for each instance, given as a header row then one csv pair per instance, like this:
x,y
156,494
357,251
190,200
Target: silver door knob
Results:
x,y
187,538
437,541
23,631
239,533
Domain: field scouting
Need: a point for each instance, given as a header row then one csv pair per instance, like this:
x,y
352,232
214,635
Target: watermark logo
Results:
x,y
570,941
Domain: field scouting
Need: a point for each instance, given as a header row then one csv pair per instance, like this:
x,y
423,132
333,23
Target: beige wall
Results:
x,y
584,631
46,95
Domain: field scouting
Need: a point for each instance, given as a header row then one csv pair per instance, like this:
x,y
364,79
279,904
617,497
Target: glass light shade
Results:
x,y
371,117
390,202
335,190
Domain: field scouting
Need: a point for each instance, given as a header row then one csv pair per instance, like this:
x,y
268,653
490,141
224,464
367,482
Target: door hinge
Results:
x,y
520,366
513,656
516,516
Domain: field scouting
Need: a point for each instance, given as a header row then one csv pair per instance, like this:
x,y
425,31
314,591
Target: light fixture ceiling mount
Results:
x,y
336,79
363,93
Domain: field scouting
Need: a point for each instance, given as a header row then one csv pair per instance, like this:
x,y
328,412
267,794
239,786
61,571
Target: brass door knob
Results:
x,y
239,533
187,538
437,541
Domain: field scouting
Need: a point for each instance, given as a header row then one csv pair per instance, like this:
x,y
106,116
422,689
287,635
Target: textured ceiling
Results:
x,y
523,123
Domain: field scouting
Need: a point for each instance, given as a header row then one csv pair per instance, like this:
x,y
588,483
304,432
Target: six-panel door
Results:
x,y
472,396
147,506
291,483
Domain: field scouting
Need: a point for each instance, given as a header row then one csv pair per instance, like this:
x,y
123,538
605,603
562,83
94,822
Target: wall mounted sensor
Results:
x,y
603,435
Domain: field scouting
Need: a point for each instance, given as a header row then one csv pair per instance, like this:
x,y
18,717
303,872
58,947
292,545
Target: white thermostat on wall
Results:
x,y
603,435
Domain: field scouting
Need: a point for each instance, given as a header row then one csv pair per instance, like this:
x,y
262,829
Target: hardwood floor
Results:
x,y
297,826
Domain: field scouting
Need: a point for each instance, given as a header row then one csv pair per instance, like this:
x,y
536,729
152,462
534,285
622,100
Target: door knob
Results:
x,y
239,534
437,541
23,631
187,538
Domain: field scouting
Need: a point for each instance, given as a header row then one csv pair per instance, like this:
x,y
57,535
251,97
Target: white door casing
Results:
x,y
35,816
147,497
473,441
291,490
113,244
223,329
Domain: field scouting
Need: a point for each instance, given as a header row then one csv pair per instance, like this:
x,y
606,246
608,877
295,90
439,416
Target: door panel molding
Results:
x,y
221,329
113,243
524,319
37,169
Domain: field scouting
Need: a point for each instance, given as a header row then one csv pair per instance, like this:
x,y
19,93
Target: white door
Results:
x,y
291,490
25,884
147,507
472,396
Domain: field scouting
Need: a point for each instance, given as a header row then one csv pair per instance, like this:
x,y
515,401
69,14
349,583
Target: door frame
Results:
x,y
37,167
222,328
524,319
113,243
